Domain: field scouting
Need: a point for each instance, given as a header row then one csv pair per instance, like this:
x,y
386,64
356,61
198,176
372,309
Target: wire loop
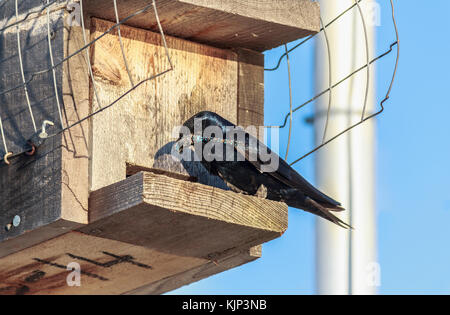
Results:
x,y
6,157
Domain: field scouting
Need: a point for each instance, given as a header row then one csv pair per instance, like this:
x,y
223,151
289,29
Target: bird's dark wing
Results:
x,y
284,172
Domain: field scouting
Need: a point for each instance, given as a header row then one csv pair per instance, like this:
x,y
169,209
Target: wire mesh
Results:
x,y
54,11
331,86
52,69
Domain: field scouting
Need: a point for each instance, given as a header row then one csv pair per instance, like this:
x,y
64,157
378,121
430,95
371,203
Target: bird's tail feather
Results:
x,y
325,212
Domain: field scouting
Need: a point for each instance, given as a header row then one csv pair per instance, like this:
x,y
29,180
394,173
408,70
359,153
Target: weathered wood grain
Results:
x,y
102,271
31,186
139,129
76,140
251,90
49,190
199,273
204,221
255,24
107,267
16,117
166,241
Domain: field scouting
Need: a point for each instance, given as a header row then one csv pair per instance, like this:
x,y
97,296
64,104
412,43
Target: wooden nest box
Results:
x,y
104,194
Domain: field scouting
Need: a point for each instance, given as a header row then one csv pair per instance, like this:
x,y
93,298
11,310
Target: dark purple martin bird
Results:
x,y
248,172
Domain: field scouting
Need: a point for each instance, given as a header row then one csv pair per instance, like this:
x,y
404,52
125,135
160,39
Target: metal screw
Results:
x,y
16,221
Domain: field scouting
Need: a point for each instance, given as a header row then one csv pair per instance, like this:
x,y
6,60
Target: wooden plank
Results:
x,y
139,129
254,24
251,89
49,191
76,140
16,116
31,186
199,273
107,267
36,236
204,221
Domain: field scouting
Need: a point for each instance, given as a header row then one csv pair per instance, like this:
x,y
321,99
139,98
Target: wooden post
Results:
x,y
35,188
82,197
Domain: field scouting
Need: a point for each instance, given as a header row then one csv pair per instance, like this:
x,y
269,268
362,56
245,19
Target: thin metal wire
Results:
x,y
50,50
366,97
27,16
121,43
286,54
25,87
41,72
398,57
87,45
3,136
290,100
334,86
310,37
166,48
386,98
88,58
113,103
330,81
161,30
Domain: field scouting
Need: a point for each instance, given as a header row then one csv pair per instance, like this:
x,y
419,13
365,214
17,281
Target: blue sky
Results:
x,y
413,166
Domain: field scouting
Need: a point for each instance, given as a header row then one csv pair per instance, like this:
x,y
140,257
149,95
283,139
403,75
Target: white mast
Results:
x,y
345,169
